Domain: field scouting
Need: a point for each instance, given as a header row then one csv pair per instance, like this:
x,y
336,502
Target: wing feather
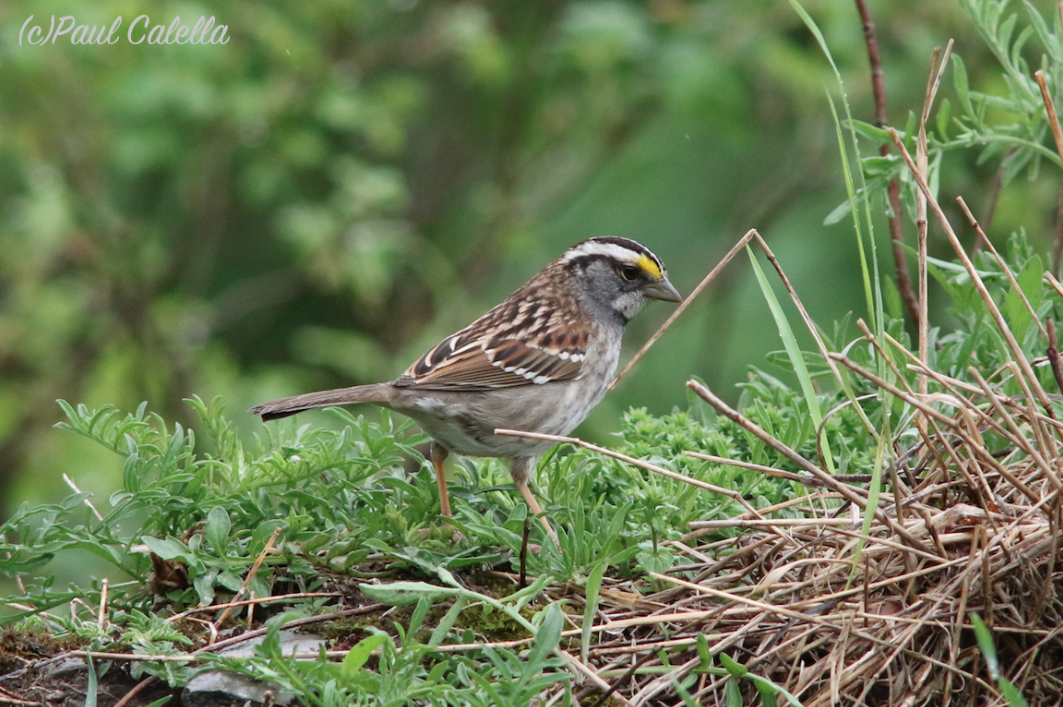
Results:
x,y
534,337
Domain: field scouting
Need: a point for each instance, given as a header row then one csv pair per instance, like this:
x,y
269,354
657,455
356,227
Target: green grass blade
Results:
x,y
594,584
793,352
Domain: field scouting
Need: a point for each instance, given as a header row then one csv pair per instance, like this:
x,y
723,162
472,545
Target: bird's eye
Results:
x,y
629,272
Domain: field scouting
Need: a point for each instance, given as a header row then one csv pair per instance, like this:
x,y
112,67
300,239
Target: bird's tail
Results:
x,y
379,393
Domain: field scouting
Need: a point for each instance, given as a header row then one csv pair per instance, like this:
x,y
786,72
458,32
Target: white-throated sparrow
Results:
x,y
540,361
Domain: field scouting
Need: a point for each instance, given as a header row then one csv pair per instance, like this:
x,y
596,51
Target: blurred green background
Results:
x,y
318,201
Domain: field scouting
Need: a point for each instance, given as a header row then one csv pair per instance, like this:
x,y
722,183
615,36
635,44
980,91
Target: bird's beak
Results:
x,y
662,290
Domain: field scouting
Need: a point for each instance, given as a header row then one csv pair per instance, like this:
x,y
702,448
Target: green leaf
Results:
x,y
736,669
797,360
1048,40
989,652
417,618
943,120
704,654
359,654
1006,29
880,166
168,549
985,642
160,702
591,592
91,689
447,622
403,593
262,533
1029,282
733,693
217,529
840,212
1014,697
548,635
963,92
814,29
880,136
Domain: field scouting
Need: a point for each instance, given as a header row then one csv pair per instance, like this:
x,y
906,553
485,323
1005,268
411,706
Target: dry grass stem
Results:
x,y
560,439
250,575
735,250
976,278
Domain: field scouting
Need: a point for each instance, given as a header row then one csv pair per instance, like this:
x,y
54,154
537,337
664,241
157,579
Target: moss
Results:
x,y
19,644
349,630
493,625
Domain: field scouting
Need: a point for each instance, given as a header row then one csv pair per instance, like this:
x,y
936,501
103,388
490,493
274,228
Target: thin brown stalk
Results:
x,y
259,600
971,443
757,523
101,618
1014,434
1045,439
976,279
137,689
87,501
892,467
560,439
810,325
771,471
1053,354
937,67
1054,283
1057,136
953,387
251,574
735,250
878,91
1057,247
1003,266
7,699
849,494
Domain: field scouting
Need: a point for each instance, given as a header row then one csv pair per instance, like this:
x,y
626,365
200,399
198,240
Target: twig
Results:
x,y
922,160
1005,268
127,698
772,471
730,493
812,328
1057,135
251,574
87,502
972,444
101,619
735,249
893,193
623,678
257,600
7,699
760,523
1053,354
976,278
848,493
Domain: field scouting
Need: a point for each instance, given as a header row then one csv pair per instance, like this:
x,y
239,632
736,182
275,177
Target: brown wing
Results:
x,y
529,339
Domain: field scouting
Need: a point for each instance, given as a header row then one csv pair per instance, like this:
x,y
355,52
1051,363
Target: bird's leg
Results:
x,y
439,454
521,470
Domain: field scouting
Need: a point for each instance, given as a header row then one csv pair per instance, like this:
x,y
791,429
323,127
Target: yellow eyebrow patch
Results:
x,y
648,266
